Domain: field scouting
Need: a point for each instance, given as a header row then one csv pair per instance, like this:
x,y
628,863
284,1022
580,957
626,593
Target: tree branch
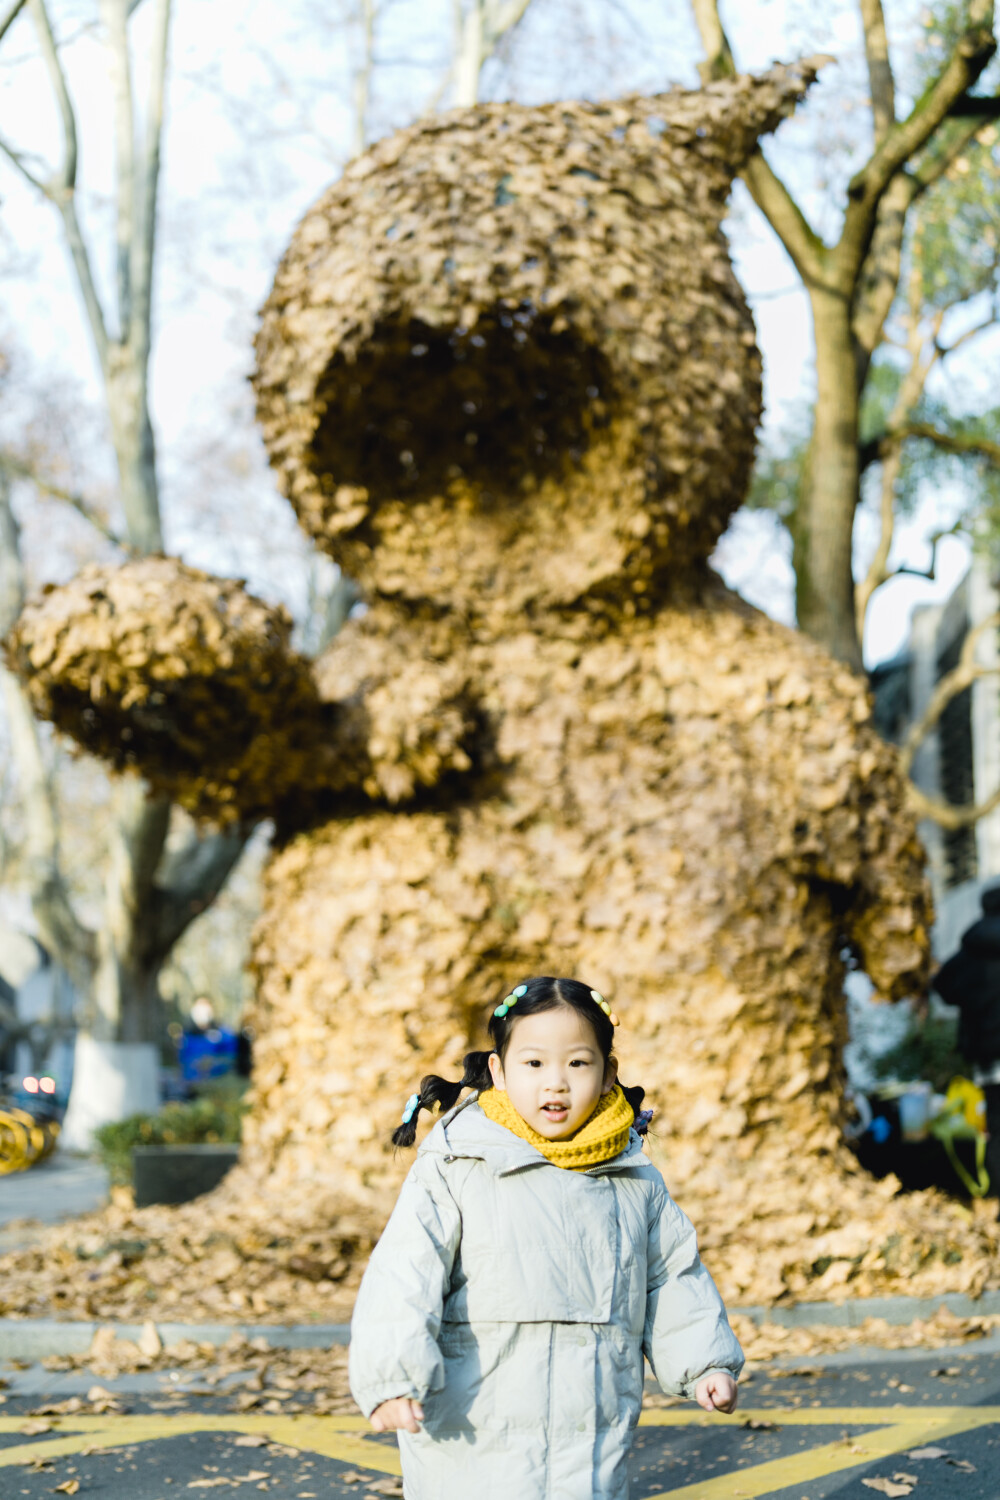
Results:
x,y
971,55
13,11
947,814
50,55
878,569
14,466
982,108
500,19
200,870
146,237
60,928
879,276
880,78
363,77
804,246
878,279
961,676
951,442
63,193
719,61
18,161
120,69
911,389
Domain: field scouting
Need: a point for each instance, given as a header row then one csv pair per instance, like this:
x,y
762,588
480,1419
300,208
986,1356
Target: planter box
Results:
x,y
176,1174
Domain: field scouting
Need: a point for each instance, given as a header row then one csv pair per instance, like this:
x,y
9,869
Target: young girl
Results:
x,y
533,1258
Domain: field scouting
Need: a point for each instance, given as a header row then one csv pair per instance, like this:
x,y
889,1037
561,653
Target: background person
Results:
x,y
970,980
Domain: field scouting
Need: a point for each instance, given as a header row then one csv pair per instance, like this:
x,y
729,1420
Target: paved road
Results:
x,y
815,1434
57,1188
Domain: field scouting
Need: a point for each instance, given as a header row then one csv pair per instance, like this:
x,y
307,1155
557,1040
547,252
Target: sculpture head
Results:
x,y
505,361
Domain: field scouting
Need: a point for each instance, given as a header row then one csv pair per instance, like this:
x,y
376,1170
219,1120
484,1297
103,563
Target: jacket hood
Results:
x,y
983,937
466,1131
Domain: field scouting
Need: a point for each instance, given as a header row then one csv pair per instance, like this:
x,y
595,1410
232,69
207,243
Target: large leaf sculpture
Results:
x,y
508,380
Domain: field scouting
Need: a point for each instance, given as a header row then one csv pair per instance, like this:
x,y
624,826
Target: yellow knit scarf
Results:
x,y
598,1139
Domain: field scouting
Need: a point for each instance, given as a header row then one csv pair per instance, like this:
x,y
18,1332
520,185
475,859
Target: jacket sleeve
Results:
x,y
687,1333
397,1315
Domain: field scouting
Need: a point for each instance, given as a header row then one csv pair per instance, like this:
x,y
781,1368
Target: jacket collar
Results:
x,y
466,1131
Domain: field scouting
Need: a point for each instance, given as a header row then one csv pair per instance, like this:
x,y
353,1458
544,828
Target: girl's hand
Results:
x,y
717,1392
401,1411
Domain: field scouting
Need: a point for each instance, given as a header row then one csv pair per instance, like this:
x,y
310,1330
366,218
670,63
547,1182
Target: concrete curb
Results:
x,y
892,1309
33,1338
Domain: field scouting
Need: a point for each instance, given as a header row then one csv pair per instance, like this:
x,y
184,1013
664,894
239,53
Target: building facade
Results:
x,y
959,759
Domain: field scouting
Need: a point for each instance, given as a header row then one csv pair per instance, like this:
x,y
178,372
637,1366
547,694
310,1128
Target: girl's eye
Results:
x,y
534,1062
579,1062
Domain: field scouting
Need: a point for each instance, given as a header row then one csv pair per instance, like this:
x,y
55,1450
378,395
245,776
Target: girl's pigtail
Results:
x,y
443,1092
635,1096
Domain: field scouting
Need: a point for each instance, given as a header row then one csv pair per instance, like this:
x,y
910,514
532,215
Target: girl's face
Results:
x,y
554,1072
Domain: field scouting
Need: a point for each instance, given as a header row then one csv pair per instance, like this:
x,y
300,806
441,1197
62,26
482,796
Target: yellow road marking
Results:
x,y
332,1437
818,1416
904,1427
892,1430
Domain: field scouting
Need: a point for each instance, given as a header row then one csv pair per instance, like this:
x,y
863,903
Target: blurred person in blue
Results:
x,y
207,1049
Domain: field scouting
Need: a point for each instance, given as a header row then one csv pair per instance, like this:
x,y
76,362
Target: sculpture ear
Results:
x,y
729,115
185,678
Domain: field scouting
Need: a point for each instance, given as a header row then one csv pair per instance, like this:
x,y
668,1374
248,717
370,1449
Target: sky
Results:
x,y
258,123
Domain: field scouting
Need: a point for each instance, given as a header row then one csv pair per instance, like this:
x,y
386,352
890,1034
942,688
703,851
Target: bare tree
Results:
x,y
852,283
151,893
480,26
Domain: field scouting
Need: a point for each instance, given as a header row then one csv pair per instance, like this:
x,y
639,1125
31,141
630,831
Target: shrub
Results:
x,y
929,1050
207,1120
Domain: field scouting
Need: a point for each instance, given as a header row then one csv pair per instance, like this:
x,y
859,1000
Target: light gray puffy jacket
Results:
x,y
516,1299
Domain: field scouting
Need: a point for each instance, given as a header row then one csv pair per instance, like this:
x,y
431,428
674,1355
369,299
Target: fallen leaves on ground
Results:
x,y
888,1486
288,1380
766,1341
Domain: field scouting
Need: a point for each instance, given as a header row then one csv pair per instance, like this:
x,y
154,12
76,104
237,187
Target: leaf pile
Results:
x,y
694,815
528,314
159,667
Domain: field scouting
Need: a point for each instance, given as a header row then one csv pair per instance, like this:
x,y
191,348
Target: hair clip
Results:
x,y
412,1105
511,999
600,1000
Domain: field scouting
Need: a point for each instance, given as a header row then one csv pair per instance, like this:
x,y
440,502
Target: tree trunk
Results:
x,y
135,450
824,522
126,985
470,55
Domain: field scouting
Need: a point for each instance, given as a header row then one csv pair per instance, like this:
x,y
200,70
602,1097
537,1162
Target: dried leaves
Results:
x,y
508,319
660,820
186,677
